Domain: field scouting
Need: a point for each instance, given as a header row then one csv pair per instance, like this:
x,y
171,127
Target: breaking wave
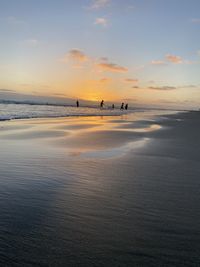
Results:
x,y
10,111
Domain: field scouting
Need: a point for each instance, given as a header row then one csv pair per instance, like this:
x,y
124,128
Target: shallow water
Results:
x,y
26,111
77,204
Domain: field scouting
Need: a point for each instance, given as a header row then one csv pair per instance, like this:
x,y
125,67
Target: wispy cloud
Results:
x,y
174,59
162,88
188,86
98,4
112,67
101,21
129,80
158,62
7,90
76,56
105,80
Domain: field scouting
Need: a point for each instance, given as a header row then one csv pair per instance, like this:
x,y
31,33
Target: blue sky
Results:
x,y
147,50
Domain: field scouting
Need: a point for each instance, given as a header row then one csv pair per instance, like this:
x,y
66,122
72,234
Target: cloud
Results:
x,y
128,80
98,4
75,55
105,80
78,55
135,87
7,90
188,86
169,58
196,20
162,88
101,21
112,67
101,81
158,62
174,59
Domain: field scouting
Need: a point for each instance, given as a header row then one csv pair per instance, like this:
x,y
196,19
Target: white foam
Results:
x,y
25,111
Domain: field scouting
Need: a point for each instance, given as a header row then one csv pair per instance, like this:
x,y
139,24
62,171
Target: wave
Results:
x,y
37,103
13,111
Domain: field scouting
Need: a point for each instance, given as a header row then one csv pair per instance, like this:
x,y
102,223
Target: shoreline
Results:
x,y
18,111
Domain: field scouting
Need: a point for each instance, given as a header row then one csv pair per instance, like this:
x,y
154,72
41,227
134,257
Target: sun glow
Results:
x,y
94,90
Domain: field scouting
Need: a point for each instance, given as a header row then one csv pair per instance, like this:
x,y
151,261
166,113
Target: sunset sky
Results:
x,y
141,51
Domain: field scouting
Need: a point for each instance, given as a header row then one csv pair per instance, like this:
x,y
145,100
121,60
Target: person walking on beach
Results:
x,y
113,106
77,103
122,106
102,104
126,106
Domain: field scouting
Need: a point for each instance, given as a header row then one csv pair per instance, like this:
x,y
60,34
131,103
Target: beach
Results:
x,y
101,190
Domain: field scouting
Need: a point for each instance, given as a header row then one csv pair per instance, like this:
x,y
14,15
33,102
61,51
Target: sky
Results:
x,y
144,52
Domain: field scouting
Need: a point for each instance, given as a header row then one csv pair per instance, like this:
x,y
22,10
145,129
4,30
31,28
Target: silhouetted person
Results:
x,y
126,106
77,103
102,104
122,106
113,106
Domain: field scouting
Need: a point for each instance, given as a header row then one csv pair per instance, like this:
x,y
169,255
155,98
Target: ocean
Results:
x,y
26,111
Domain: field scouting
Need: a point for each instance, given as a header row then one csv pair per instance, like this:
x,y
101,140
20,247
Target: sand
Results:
x,y
100,191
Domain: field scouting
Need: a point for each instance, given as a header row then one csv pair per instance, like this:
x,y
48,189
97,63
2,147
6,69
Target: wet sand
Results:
x,y
100,191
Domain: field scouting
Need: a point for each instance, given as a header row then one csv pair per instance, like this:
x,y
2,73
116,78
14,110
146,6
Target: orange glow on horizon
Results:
x,y
94,90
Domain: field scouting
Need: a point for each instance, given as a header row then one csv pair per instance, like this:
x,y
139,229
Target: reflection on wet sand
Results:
x,y
87,136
